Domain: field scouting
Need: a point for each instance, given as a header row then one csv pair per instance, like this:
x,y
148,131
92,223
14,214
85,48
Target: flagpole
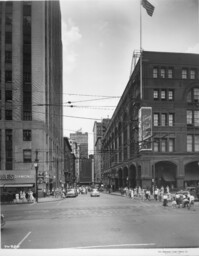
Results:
x,y
141,49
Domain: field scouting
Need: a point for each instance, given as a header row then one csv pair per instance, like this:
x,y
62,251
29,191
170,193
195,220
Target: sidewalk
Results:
x,y
40,200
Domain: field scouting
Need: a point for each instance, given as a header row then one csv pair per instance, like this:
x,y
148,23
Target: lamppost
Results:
x,y
36,178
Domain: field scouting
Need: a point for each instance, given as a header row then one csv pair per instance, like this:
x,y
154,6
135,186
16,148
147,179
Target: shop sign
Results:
x,y
7,177
145,128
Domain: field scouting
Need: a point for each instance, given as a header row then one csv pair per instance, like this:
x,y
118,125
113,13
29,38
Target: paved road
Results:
x,y
105,222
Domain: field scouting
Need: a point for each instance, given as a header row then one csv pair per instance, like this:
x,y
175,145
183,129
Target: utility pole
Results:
x,y
36,165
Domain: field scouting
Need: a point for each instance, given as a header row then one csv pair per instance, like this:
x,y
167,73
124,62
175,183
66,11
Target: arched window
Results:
x,y
193,95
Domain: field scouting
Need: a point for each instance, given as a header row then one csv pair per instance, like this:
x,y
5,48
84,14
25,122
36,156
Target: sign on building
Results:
x,y
145,128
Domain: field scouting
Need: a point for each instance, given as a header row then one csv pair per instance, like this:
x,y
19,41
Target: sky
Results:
x,y
99,38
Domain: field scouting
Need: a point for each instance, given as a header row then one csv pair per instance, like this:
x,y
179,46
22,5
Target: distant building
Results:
x,y
69,164
31,95
82,140
81,162
99,130
153,136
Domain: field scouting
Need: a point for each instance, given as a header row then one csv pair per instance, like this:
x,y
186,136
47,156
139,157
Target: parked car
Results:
x,y
194,191
95,192
72,192
3,222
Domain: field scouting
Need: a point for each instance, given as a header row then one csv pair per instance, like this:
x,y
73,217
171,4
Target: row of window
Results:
x,y
167,119
163,94
168,145
168,94
164,145
163,119
163,72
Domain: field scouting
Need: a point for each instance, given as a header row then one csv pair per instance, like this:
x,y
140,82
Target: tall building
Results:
x,y
82,140
99,130
153,136
31,127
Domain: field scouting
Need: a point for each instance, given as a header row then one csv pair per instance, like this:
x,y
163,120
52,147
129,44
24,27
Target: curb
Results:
x,y
39,201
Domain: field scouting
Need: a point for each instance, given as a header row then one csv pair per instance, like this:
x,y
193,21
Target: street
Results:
x,y
107,222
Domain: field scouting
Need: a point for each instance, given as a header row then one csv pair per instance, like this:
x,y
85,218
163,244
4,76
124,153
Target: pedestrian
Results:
x,y
185,201
191,202
173,203
165,200
147,194
132,194
177,197
143,194
156,194
139,191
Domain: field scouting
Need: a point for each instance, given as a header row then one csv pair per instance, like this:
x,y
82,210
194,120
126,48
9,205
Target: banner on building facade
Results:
x,y
145,128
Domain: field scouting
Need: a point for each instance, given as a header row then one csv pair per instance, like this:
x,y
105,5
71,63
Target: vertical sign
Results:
x,y
145,128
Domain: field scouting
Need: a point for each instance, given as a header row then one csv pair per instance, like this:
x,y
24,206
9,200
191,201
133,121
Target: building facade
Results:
x,y
99,130
31,127
153,136
69,164
82,140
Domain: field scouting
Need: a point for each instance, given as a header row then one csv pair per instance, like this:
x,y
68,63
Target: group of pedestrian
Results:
x,y
24,196
183,201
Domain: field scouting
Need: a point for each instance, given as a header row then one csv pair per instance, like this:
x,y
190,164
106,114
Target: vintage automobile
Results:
x,y
94,192
72,192
3,222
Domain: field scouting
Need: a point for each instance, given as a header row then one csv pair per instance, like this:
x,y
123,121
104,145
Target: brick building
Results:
x,y
153,136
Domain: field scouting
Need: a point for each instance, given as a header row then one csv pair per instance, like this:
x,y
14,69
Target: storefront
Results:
x,y
12,182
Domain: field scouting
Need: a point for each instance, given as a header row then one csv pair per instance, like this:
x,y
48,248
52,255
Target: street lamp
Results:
x,y
36,178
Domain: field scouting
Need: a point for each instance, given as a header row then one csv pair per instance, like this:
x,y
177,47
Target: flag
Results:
x,y
148,6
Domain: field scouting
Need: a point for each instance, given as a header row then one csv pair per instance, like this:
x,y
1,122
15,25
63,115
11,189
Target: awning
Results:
x,y
191,175
167,176
16,185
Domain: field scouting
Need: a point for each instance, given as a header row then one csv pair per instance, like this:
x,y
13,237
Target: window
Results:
x,y
171,145
196,143
155,72
8,76
8,114
196,118
8,57
192,74
196,94
8,37
171,119
8,95
162,72
193,95
163,119
156,145
163,94
189,143
27,77
155,94
184,73
9,149
8,19
164,145
27,158
156,119
27,136
170,73
189,117
171,95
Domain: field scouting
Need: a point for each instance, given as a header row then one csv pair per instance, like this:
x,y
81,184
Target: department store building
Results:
x,y
153,135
